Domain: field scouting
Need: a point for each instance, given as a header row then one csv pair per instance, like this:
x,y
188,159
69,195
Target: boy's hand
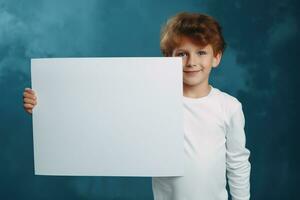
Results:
x,y
29,99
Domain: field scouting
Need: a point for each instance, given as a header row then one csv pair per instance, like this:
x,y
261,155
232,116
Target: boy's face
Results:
x,y
197,61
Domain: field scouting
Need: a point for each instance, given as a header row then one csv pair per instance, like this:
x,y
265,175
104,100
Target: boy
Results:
x,y
214,140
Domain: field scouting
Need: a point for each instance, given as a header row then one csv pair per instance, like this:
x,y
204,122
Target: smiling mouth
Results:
x,y
193,71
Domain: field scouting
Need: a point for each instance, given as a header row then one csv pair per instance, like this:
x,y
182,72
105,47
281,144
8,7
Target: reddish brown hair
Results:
x,y
200,28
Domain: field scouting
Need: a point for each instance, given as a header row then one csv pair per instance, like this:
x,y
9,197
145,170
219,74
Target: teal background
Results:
x,y
260,67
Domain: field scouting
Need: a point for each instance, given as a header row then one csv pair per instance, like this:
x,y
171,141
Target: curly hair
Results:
x,y
200,28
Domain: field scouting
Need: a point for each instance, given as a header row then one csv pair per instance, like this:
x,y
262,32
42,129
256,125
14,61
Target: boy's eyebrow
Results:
x,y
180,50
199,49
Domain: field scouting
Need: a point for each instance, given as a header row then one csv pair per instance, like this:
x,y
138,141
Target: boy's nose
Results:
x,y
192,61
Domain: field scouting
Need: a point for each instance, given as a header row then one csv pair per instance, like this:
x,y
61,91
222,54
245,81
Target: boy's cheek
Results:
x,y
183,63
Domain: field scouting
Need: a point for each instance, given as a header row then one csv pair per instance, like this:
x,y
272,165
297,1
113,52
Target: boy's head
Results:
x,y
201,29
197,38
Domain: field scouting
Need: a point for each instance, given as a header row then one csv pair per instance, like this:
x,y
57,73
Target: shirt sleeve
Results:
x,y
237,157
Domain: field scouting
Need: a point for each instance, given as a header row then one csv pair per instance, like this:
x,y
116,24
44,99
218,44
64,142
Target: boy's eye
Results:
x,y
181,54
202,52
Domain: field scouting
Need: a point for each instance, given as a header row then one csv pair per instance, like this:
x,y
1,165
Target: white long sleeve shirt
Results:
x,y
214,143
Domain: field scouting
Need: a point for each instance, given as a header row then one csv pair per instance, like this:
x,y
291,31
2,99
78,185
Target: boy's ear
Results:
x,y
216,60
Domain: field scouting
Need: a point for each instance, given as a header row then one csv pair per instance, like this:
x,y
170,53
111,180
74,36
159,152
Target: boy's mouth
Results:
x,y
191,73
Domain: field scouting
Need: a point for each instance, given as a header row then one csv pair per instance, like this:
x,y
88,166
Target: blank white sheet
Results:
x,y
120,116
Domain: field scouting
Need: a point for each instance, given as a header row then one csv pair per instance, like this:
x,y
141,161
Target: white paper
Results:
x,y
108,116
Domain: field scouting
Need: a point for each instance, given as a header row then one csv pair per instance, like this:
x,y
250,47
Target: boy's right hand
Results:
x,y
29,100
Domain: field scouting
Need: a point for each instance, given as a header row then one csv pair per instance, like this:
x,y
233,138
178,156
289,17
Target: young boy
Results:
x,y
214,140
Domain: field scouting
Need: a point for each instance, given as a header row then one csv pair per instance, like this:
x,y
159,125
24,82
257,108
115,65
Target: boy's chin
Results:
x,y
192,82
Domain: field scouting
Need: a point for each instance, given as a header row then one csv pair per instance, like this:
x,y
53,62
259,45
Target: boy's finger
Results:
x,y
28,95
31,101
29,90
29,111
28,106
